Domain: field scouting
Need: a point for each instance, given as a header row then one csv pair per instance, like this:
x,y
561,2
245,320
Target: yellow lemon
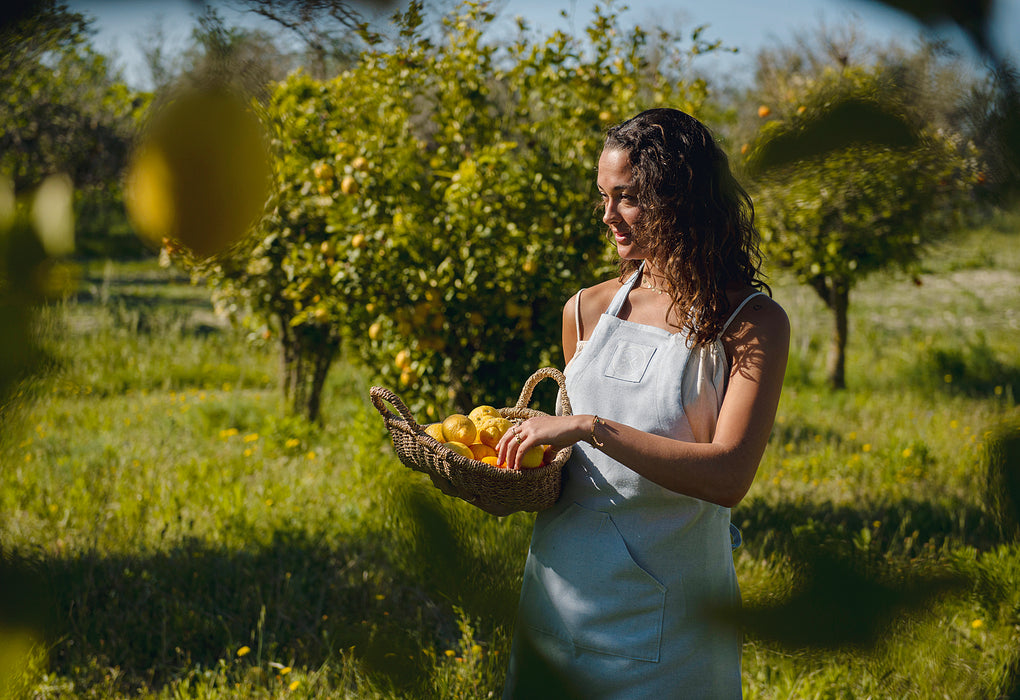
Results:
x,y
533,457
493,462
478,413
492,429
460,448
458,427
435,430
349,185
481,451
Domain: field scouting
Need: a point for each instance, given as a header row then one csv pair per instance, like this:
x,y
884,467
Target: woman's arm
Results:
x,y
720,471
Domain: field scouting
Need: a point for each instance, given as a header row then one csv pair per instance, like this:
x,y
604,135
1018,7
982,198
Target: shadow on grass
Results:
x,y
300,601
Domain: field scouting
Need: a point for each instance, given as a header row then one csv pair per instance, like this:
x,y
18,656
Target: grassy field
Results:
x,y
167,533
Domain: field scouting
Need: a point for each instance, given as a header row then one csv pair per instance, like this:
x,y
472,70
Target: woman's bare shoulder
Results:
x,y
761,325
594,301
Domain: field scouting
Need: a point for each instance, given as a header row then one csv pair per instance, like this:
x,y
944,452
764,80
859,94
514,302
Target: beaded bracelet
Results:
x,y
596,421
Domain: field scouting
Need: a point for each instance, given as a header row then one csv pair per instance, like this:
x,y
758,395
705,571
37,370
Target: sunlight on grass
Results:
x,y
198,543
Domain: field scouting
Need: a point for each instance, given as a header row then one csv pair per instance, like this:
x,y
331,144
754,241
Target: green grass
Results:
x,y
166,532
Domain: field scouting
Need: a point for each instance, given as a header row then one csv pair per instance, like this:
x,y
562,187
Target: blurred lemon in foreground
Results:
x,y
435,431
201,172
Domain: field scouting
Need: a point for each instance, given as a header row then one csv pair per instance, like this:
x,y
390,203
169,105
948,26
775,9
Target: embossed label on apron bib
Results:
x,y
630,360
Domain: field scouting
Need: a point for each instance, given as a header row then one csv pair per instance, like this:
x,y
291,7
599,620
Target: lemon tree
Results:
x,y
848,196
435,203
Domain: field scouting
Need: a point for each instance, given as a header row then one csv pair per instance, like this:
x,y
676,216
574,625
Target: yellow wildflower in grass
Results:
x,y
310,456
907,452
977,624
998,391
229,432
954,424
285,670
244,650
251,437
866,447
294,685
450,652
248,452
852,435
293,442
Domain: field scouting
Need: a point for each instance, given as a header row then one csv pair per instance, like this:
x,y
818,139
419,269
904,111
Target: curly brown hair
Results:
x,y
697,222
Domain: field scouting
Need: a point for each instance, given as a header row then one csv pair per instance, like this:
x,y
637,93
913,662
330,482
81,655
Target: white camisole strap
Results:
x,y
737,310
577,313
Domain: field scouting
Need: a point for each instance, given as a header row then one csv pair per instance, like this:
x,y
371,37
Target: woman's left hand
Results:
x,y
558,431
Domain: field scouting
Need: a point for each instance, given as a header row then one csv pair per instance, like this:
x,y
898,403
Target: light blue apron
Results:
x,y
621,572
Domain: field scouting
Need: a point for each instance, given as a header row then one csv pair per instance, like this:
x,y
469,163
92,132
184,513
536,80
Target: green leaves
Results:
x,y
836,127
435,201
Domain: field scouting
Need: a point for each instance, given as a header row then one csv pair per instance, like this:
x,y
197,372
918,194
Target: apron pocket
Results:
x,y
629,361
582,585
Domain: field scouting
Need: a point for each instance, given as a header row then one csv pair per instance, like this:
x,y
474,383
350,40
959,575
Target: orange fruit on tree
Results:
x,y
458,428
764,111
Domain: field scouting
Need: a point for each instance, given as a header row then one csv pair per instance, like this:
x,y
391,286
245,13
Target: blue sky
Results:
x,y
745,24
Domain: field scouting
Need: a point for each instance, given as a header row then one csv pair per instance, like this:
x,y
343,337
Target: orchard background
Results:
x,y
421,203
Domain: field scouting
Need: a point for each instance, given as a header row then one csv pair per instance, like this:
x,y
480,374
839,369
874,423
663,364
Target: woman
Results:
x,y
674,371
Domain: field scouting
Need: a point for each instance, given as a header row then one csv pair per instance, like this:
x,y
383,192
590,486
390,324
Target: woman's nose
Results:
x,y
610,214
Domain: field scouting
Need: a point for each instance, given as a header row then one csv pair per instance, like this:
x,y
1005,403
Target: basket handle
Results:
x,y
381,396
532,382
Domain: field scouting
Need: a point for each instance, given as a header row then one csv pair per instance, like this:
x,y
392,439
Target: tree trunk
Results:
x,y
839,296
306,353
835,293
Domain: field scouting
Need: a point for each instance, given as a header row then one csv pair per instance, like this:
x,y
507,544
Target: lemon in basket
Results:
x,y
480,413
533,457
492,429
435,431
481,451
459,428
460,448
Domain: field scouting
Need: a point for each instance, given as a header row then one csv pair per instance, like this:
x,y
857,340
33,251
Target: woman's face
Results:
x,y
620,198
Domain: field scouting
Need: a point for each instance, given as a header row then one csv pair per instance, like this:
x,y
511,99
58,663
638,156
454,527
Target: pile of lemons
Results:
x,y
476,435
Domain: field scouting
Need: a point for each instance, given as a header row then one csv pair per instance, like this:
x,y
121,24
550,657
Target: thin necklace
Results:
x,y
645,284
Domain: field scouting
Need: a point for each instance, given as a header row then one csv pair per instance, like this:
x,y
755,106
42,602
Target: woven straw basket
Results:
x,y
501,491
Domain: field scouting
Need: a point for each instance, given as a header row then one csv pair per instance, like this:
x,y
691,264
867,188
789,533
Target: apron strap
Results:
x,y
621,296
